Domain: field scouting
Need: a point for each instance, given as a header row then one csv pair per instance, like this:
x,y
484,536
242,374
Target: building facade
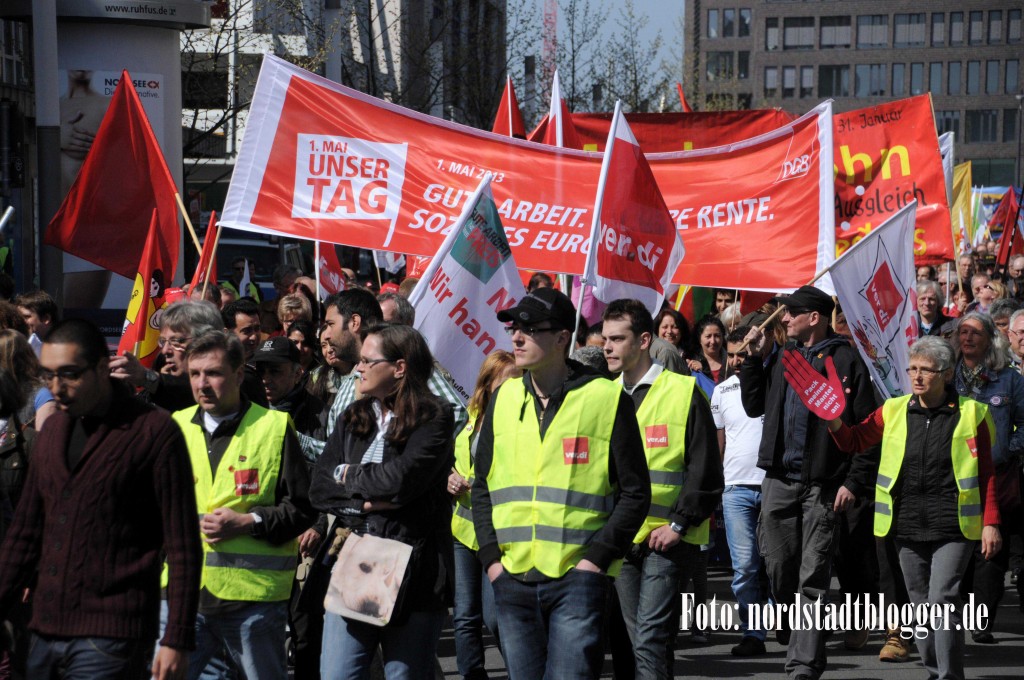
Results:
x,y
792,54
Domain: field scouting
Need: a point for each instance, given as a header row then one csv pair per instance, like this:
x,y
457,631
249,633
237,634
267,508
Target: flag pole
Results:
x,y
376,268
316,267
188,223
213,260
508,96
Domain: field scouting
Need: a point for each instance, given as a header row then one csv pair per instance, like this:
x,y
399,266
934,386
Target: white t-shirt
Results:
x,y
742,434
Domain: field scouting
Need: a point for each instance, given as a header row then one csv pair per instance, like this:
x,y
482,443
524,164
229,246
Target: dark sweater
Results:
x,y
97,535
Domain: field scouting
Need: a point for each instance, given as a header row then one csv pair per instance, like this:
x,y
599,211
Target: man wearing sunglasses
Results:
x,y
561,489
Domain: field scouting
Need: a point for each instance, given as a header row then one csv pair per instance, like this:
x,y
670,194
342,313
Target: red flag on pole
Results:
x,y
1007,215
560,130
332,279
123,180
682,99
142,320
509,119
635,247
206,257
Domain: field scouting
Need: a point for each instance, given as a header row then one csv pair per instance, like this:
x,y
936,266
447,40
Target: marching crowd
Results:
x,y
304,472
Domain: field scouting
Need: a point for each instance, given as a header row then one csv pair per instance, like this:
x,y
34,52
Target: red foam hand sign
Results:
x,y
822,394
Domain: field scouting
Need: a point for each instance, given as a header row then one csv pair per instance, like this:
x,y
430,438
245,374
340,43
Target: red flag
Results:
x,y
560,130
1006,216
142,320
752,300
682,99
416,265
509,119
635,247
332,280
206,257
123,179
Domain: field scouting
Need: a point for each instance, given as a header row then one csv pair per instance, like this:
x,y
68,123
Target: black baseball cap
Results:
x,y
543,304
277,350
808,298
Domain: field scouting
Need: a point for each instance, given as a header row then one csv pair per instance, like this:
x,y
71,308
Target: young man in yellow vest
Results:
x,y
686,485
560,492
252,492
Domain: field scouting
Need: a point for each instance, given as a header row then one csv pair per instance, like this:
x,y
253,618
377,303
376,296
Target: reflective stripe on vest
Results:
x,y
662,418
242,568
462,517
550,496
963,452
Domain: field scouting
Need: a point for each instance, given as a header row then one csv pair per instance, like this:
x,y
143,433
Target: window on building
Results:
x,y
836,32
712,23
1010,125
771,33
909,30
798,33
788,82
953,81
976,29
995,27
981,125
872,31
869,80
743,65
728,23
833,81
948,121
916,78
743,28
719,66
974,77
938,29
806,81
991,76
1012,76
204,84
14,48
935,77
1013,26
899,87
956,28
771,81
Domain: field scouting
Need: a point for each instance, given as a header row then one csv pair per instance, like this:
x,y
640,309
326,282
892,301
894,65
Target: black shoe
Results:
x,y
749,646
984,638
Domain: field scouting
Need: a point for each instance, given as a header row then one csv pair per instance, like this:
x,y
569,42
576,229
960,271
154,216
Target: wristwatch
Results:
x,y
677,527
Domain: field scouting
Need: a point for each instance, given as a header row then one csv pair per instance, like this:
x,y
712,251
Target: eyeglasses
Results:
x,y
922,371
373,362
178,344
797,311
528,331
68,374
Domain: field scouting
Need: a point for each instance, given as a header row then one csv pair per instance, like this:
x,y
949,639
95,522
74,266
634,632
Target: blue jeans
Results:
x,y
552,630
474,608
648,590
88,658
253,637
741,508
408,650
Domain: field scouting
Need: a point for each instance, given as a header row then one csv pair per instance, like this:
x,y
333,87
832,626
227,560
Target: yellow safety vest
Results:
x,y
462,516
254,291
964,451
662,418
242,568
550,496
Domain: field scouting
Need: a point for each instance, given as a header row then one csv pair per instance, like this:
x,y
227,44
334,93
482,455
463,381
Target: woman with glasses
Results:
x,y
383,473
935,492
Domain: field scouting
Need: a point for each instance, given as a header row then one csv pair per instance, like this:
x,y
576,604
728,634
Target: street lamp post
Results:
x,y
1020,123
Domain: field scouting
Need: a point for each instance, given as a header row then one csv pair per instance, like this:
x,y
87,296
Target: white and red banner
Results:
x,y
472,277
323,162
328,268
875,281
635,247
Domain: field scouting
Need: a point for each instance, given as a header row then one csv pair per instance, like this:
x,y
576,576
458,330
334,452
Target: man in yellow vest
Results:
x,y
252,492
560,492
681,446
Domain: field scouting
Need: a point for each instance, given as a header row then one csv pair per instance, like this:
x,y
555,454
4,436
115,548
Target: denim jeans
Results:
x,y
474,608
408,650
88,658
552,629
741,508
648,590
253,637
217,668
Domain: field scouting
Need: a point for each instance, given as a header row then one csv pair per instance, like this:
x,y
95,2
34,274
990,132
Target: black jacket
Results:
x,y
763,393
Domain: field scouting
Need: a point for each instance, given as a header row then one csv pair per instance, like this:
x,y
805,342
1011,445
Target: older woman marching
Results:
x,y
935,488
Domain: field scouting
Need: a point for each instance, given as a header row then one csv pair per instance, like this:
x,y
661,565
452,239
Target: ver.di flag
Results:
x,y
142,320
329,274
875,281
635,247
471,278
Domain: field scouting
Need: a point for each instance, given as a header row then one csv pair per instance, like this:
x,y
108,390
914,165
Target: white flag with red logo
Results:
x,y
875,281
332,279
634,245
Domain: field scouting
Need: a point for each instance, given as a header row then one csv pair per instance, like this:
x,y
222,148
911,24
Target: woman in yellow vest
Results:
x,y
383,473
474,598
935,488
